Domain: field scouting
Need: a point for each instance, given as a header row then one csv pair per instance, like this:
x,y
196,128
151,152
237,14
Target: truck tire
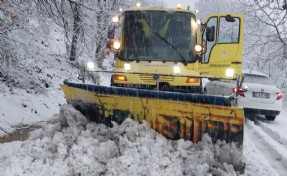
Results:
x,y
270,117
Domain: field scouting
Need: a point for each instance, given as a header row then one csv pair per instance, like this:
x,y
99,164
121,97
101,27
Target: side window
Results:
x,y
228,30
209,38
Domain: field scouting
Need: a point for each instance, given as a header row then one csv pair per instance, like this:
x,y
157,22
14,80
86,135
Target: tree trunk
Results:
x,y
76,30
102,34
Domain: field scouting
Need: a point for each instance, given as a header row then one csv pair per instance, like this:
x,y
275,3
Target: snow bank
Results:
x,y
69,145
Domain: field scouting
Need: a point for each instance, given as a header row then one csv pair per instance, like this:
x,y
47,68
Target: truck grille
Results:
x,y
149,78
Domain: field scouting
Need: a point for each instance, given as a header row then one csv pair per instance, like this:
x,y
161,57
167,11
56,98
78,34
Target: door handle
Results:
x,y
236,62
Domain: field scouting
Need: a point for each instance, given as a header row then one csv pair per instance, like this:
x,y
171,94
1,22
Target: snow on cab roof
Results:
x,y
157,9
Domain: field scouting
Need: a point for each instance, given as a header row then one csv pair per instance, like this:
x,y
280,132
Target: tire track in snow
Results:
x,y
274,134
270,144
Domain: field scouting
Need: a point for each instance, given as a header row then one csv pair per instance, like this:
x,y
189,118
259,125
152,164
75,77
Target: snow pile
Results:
x,y
70,145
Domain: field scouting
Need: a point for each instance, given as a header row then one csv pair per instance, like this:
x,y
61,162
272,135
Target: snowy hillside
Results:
x,y
41,135
30,89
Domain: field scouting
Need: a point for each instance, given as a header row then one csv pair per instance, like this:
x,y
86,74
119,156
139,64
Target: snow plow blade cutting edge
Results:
x,y
174,115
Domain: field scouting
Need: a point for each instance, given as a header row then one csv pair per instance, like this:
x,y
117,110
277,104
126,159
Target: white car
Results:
x,y
261,97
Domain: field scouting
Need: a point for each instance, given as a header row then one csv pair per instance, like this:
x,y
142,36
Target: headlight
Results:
x,y
198,48
229,72
115,19
116,45
176,69
127,67
90,65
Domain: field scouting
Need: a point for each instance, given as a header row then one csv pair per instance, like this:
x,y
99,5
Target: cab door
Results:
x,y
222,37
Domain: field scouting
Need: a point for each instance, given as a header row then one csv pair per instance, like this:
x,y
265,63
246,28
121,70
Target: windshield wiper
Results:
x,y
171,45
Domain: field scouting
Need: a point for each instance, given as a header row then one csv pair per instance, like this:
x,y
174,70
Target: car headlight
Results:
x,y
90,65
176,69
127,67
229,72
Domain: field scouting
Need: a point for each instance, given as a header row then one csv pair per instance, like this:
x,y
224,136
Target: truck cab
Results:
x,y
155,48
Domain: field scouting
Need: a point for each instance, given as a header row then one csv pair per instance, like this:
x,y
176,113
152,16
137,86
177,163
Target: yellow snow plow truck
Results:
x,y
160,63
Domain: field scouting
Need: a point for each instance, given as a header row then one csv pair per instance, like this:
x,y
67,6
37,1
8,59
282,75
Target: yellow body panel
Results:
x,y
224,56
155,67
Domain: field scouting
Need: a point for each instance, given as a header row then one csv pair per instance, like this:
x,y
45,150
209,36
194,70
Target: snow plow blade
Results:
x,y
174,115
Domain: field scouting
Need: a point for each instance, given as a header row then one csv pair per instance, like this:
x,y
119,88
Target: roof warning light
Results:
x,y
178,6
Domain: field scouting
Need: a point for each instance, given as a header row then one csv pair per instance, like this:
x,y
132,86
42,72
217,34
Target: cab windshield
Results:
x,y
158,36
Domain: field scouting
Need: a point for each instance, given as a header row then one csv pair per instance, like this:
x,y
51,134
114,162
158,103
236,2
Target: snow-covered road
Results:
x,y
265,146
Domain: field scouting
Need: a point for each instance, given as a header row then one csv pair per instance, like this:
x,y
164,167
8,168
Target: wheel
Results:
x,y
270,117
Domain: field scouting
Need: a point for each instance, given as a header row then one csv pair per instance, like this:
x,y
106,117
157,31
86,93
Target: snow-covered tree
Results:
x,y
28,32
270,34
86,24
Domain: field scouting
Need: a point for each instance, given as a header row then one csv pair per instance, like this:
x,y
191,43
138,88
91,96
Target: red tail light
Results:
x,y
238,91
279,95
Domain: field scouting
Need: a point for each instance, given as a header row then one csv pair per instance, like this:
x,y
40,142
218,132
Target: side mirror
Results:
x,y
245,88
210,33
230,19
